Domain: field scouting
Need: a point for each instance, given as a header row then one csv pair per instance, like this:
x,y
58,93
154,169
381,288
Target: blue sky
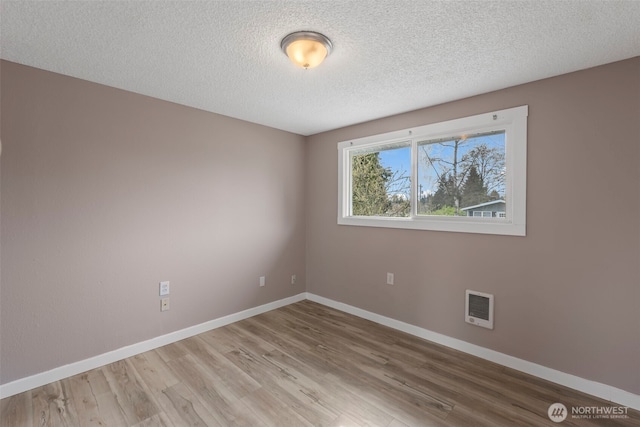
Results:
x,y
399,159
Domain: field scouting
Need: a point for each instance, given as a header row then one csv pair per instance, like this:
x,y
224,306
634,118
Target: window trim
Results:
x,y
512,120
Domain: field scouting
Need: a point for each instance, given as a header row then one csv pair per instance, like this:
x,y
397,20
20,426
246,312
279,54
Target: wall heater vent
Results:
x,y
478,309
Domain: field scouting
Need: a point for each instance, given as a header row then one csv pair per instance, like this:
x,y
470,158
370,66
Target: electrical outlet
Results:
x,y
164,304
262,280
389,278
164,288
293,279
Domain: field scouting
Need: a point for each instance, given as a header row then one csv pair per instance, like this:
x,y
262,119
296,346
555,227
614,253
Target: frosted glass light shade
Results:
x,y
306,49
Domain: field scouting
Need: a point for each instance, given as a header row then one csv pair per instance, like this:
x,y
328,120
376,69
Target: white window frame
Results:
x,y
513,121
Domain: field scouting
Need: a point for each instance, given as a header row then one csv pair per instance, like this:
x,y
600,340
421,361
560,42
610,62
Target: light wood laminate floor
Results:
x,y
300,365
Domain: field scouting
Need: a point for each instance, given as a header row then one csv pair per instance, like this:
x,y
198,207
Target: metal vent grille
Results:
x,y
479,307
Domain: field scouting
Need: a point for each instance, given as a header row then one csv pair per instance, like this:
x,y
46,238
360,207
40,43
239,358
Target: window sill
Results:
x,y
459,224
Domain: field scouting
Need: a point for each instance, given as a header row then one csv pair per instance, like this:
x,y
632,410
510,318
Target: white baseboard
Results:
x,y
603,391
593,388
56,374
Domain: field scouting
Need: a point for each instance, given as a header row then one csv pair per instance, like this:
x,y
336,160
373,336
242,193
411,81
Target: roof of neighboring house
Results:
x,y
481,205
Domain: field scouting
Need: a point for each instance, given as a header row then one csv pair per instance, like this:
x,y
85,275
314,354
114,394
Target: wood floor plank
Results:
x,y
17,410
172,351
345,420
185,409
83,400
154,371
375,364
52,406
107,404
338,397
224,339
226,372
301,365
293,389
272,412
134,401
309,348
347,362
396,423
328,320
214,395
178,403
305,348
158,420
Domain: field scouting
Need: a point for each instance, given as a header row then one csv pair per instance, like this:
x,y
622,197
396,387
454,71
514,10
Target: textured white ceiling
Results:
x,y
389,56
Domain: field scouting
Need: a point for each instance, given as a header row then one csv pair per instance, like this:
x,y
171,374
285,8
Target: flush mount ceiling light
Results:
x,y
306,49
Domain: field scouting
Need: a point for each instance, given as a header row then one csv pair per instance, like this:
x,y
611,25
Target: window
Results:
x,y
464,175
484,214
381,180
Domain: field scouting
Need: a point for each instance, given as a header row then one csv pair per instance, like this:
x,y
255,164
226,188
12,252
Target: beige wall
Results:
x,y
106,193
567,294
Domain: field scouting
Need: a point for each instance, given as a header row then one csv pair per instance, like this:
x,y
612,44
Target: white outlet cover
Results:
x,y
164,288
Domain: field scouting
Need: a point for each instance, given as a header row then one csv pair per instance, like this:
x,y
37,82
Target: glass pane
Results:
x,y
462,175
381,181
